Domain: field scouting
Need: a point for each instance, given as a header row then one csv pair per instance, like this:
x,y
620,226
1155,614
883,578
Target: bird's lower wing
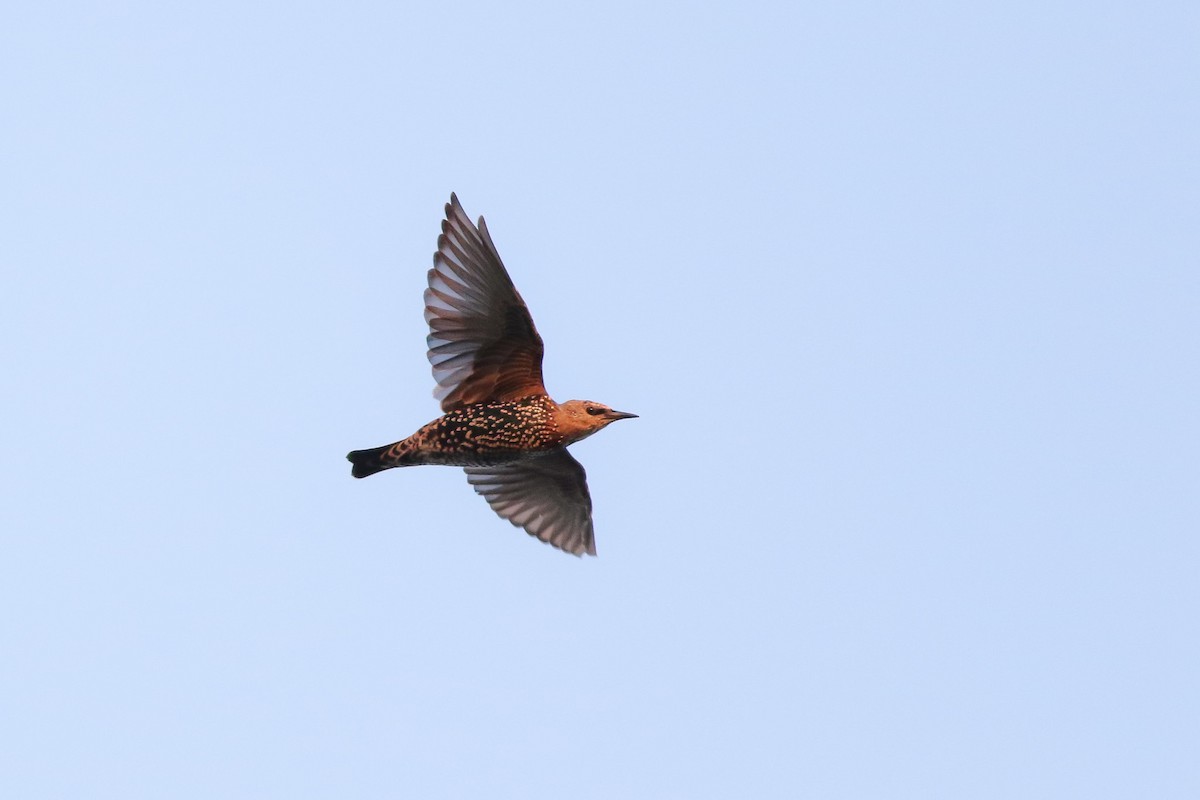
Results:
x,y
546,495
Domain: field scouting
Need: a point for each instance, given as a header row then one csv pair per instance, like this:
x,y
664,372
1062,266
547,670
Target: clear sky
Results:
x,y
906,296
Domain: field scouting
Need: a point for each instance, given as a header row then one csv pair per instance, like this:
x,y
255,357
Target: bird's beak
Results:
x,y
615,415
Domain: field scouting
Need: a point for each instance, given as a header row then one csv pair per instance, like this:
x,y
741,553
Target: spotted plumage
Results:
x,y
499,423
484,434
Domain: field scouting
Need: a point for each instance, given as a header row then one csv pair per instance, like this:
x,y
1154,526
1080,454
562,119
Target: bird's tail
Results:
x,y
377,459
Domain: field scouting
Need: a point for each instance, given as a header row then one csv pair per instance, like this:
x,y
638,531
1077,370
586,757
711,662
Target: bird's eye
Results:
x,y
594,410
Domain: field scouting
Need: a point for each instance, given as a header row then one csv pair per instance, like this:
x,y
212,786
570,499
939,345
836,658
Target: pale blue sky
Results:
x,y
906,295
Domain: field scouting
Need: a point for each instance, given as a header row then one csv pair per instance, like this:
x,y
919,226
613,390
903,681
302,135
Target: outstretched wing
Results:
x,y
482,342
546,495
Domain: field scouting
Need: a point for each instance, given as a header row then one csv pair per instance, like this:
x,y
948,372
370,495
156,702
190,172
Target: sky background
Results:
x,y
906,296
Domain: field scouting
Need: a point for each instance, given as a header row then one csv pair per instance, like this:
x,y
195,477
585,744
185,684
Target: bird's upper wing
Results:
x,y
546,495
482,342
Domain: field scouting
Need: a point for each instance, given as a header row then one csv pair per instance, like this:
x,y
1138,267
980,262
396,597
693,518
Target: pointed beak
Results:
x,y
615,415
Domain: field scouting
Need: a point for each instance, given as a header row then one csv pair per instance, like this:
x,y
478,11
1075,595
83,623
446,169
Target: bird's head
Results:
x,y
578,419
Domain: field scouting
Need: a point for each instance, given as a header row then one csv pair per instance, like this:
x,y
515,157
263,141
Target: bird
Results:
x,y
498,422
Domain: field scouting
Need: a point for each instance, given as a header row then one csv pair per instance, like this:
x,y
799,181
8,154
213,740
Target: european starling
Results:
x,y
499,423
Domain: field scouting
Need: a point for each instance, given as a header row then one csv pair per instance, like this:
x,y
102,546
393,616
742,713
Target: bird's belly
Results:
x,y
477,458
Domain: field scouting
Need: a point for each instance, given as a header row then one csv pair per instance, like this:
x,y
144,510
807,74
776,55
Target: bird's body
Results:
x,y
480,435
499,422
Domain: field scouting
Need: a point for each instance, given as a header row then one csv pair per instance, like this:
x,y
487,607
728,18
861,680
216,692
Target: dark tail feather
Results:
x,y
377,459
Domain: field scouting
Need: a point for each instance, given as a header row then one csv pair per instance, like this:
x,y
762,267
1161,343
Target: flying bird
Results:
x,y
499,424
